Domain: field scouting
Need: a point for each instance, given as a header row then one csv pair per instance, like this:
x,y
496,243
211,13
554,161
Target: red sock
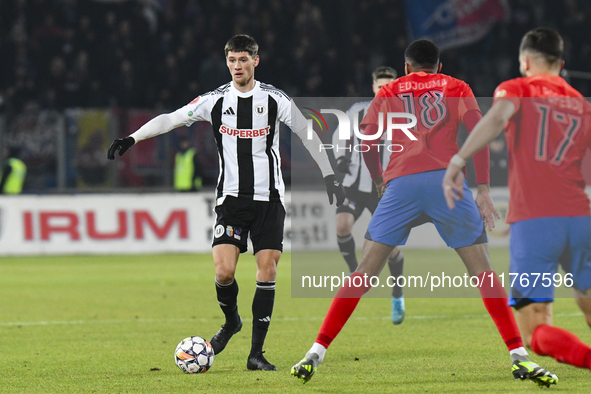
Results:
x,y
341,308
561,344
495,300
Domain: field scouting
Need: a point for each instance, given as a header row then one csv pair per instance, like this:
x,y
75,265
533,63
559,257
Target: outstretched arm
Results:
x,y
489,127
159,125
313,145
299,126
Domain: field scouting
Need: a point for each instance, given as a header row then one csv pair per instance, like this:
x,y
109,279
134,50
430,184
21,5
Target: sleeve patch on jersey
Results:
x,y
501,93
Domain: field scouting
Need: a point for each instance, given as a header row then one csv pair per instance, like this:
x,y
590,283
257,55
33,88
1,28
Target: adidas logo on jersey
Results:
x,y
229,111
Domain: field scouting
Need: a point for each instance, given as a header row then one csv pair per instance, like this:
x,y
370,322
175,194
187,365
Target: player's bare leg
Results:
x,y
262,307
475,258
346,242
494,296
225,258
343,305
535,321
531,316
374,258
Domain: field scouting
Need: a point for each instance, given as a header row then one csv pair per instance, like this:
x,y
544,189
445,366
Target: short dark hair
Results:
x,y
384,72
242,43
422,54
544,41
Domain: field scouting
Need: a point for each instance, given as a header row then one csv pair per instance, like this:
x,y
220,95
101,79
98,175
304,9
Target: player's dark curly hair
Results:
x,y
384,72
242,43
422,54
545,41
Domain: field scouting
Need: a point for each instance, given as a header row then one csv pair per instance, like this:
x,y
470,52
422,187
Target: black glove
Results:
x,y
121,145
334,187
343,165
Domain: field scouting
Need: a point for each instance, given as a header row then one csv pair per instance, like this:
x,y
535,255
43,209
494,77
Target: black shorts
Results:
x,y
237,217
357,201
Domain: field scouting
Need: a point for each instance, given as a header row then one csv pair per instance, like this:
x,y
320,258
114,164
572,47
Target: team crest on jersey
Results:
x,y
219,230
229,231
260,110
501,93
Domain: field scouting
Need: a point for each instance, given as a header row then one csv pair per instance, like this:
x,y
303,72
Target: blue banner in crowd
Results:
x,y
453,23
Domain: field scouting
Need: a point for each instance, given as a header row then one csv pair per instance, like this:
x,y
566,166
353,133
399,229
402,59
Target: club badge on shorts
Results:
x,y
219,230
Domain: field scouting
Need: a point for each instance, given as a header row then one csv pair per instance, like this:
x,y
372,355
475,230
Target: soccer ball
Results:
x,y
194,355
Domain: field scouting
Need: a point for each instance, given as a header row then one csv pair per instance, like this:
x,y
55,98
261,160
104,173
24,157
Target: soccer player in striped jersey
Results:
x,y
411,195
245,115
547,127
361,192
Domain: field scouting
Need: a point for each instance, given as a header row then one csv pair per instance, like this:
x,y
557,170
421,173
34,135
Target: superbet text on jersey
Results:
x,y
246,130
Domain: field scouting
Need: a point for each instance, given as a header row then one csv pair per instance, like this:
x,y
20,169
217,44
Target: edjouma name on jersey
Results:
x,y
245,133
404,86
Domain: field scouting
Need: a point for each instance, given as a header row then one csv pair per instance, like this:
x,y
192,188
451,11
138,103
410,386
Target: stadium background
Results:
x,y
75,74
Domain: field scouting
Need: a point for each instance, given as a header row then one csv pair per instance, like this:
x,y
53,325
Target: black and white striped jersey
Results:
x,y
246,131
359,177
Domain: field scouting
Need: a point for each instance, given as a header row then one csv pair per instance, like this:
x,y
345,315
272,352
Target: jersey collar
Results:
x,y
420,73
247,94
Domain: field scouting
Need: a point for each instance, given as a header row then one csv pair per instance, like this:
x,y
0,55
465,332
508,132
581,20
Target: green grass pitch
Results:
x,y
110,324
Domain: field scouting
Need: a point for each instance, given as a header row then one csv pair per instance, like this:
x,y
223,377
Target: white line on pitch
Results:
x,y
313,318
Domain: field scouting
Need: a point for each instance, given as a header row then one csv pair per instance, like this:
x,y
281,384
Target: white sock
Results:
x,y
319,350
520,351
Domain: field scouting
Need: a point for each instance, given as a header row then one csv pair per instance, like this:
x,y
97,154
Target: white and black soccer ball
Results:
x,y
194,355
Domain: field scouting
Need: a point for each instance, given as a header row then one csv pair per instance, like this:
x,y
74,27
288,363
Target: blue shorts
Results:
x,y
539,246
412,200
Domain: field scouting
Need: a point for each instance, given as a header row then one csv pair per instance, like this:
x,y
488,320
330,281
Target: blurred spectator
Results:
x,y
34,133
187,170
151,53
13,174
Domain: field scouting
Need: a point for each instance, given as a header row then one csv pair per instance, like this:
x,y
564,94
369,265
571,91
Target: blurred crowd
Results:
x,y
162,53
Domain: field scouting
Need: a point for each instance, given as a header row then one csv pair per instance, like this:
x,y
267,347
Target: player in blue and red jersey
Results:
x,y
411,196
547,125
